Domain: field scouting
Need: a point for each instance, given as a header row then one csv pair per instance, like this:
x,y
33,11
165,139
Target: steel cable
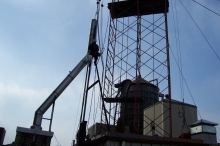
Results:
x,y
201,31
206,8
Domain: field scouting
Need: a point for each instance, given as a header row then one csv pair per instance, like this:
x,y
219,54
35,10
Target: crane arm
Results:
x,y
56,93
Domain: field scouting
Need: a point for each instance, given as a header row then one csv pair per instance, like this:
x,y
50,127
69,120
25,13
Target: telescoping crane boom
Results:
x,y
56,93
35,135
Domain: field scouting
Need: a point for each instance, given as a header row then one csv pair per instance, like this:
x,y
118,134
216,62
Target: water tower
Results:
x,y
137,52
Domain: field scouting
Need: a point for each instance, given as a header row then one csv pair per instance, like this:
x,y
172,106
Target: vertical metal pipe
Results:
x,y
51,118
86,91
83,102
168,69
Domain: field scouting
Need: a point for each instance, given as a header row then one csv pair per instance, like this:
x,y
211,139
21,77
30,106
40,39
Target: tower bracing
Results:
x,y
137,70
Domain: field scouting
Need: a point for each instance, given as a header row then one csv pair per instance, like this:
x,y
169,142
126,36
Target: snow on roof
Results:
x,y
203,122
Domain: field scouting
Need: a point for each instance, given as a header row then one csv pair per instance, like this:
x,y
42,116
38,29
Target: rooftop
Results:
x,y
203,122
142,140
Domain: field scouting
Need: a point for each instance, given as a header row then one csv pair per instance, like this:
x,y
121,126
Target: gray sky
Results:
x,y
41,41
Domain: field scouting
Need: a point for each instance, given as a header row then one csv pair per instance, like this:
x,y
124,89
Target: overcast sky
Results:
x,y
41,41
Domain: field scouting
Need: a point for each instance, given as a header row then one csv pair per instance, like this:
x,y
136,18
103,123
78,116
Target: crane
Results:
x,y
35,135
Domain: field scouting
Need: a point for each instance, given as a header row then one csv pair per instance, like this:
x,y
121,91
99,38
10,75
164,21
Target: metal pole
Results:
x,y
103,104
51,118
168,70
86,90
138,74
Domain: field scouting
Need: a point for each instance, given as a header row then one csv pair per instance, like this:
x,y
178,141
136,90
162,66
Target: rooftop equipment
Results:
x,y
204,130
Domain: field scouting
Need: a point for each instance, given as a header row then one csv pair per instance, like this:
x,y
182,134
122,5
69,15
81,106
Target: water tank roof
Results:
x,y
140,80
203,122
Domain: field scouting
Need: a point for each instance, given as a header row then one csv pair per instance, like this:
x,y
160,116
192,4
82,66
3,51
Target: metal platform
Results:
x,y
129,8
121,100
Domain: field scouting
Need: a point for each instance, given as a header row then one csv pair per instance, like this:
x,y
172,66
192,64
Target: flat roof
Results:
x,y
203,122
172,101
142,139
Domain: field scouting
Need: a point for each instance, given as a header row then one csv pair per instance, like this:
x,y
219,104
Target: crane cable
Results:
x,y
179,54
200,31
179,61
96,15
93,89
101,44
180,68
56,139
178,65
102,62
74,131
186,85
206,8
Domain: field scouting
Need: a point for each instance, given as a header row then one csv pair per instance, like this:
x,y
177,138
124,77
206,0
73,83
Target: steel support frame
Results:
x,y
138,73
145,39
